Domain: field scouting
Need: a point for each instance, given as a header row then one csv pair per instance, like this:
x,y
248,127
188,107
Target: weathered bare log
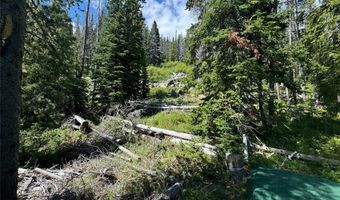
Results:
x,y
298,155
169,107
76,127
204,149
172,193
246,147
84,124
180,135
49,174
120,147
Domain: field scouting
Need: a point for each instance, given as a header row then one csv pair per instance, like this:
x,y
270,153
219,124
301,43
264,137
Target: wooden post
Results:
x,y
235,166
246,147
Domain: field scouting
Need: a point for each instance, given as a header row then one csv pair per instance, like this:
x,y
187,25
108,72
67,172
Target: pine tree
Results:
x,y
120,57
322,42
155,52
238,48
108,76
49,81
134,61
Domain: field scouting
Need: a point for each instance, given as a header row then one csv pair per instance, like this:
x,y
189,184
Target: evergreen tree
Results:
x,y
108,76
49,67
238,48
134,61
155,52
323,43
120,57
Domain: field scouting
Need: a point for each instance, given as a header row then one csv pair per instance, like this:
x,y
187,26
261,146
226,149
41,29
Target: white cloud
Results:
x,y
170,16
96,3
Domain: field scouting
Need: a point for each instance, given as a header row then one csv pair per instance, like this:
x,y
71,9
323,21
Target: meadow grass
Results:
x,y
162,73
172,120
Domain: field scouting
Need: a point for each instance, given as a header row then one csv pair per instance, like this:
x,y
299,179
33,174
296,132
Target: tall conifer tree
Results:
x,y
155,52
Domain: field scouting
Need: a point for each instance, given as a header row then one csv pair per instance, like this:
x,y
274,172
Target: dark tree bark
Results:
x,y
84,50
12,27
261,106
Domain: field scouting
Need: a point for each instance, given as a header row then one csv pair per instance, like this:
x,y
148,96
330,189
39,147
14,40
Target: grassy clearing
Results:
x,y
163,92
203,177
162,73
175,120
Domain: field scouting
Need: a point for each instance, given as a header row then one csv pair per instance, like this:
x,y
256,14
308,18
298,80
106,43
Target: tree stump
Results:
x,y
235,165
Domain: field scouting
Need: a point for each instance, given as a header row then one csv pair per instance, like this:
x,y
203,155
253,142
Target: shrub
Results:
x,y
47,145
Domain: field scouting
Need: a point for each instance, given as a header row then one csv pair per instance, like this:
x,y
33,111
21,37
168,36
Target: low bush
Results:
x,y
48,145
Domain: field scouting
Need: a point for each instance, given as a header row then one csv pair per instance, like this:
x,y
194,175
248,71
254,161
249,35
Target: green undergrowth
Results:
x,y
182,100
296,165
162,73
48,146
307,133
315,135
172,120
202,177
164,92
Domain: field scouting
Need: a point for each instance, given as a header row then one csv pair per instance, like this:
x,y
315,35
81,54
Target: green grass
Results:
x,y
163,92
182,100
48,146
296,165
162,73
176,120
202,176
307,134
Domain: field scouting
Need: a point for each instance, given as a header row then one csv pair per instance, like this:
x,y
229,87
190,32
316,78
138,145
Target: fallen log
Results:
x,y
298,155
169,107
120,147
204,149
246,147
173,192
49,174
180,135
84,124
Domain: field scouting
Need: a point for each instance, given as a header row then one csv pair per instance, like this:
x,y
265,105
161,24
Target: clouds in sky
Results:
x,y
170,16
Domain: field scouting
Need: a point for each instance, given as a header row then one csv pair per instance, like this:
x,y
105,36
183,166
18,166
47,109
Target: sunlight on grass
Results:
x,y
176,121
162,73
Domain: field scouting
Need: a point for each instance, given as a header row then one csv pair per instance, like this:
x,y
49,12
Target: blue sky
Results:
x,y
170,15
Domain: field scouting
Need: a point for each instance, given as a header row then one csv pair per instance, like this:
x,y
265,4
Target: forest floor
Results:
x,y
98,169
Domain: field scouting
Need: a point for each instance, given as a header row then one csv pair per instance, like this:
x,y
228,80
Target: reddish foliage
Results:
x,y
235,39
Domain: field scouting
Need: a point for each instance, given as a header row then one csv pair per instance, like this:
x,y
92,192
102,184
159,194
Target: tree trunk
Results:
x,y
12,27
261,106
83,56
271,105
